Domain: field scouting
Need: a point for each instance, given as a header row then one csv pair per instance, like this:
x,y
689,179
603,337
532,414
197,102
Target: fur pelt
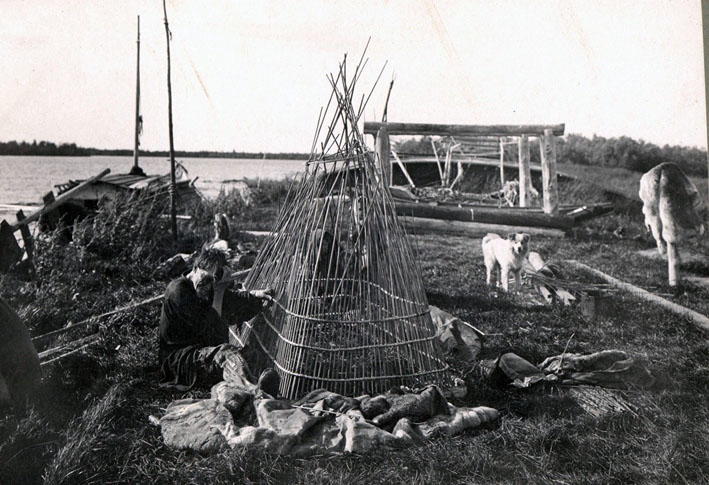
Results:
x,y
672,206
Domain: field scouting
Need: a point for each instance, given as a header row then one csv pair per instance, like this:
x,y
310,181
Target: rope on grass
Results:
x,y
56,350
47,362
155,299
93,318
699,319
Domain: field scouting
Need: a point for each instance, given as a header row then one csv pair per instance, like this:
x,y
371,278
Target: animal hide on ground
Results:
x,y
321,423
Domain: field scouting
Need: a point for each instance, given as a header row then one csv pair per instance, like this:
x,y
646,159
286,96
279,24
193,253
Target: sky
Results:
x,y
251,76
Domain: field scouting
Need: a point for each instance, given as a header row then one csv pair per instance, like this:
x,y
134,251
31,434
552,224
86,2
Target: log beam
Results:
x,y
372,127
699,319
418,225
491,215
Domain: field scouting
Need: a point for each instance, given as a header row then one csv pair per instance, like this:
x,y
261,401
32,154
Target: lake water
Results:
x,y
24,180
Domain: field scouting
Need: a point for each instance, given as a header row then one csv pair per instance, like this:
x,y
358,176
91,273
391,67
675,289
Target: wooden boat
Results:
x,y
110,185
427,207
78,198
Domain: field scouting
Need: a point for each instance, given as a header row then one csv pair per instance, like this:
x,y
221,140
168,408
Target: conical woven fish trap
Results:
x,y
349,312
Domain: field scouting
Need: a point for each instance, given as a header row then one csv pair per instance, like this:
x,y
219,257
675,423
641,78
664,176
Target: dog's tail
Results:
x,y
490,236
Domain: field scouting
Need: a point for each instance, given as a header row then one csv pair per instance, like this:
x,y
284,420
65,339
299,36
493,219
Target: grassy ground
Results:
x,y
90,420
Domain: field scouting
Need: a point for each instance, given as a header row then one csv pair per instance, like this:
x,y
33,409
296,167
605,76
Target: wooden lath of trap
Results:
x,y
349,312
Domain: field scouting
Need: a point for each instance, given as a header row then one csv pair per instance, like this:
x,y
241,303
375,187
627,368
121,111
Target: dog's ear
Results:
x,y
512,236
526,237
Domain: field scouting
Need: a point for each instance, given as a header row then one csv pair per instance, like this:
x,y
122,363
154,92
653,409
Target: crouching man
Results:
x,y
194,348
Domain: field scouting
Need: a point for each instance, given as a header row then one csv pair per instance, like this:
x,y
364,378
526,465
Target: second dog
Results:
x,y
505,255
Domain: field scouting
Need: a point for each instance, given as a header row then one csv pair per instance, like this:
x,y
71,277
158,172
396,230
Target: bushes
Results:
x,y
110,257
252,207
625,152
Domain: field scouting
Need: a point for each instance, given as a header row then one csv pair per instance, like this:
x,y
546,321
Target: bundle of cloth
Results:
x,y
607,368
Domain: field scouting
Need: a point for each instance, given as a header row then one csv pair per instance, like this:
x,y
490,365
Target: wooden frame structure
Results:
x,y
547,143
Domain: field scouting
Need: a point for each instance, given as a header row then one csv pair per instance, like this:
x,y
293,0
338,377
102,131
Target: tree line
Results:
x,y
45,148
623,152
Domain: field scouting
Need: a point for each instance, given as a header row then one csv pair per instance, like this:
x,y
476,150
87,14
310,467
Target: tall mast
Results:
x,y
138,117
173,210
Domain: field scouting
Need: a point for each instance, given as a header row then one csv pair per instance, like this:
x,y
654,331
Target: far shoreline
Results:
x,y
212,155
50,149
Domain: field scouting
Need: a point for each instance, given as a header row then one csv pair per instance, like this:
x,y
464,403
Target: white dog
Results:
x,y
507,255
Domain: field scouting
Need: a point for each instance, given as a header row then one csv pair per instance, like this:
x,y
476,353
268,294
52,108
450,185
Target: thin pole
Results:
x,y
386,103
173,210
138,120
705,30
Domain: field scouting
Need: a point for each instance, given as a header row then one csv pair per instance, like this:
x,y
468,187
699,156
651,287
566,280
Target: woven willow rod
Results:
x,y
350,313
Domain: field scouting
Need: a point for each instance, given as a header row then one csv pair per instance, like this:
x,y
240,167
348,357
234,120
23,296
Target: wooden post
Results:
x,y
381,144
138,118
26,236
172,187
438,161
547,146
447,167
10,252
502,162
673,264
705,30
525,175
